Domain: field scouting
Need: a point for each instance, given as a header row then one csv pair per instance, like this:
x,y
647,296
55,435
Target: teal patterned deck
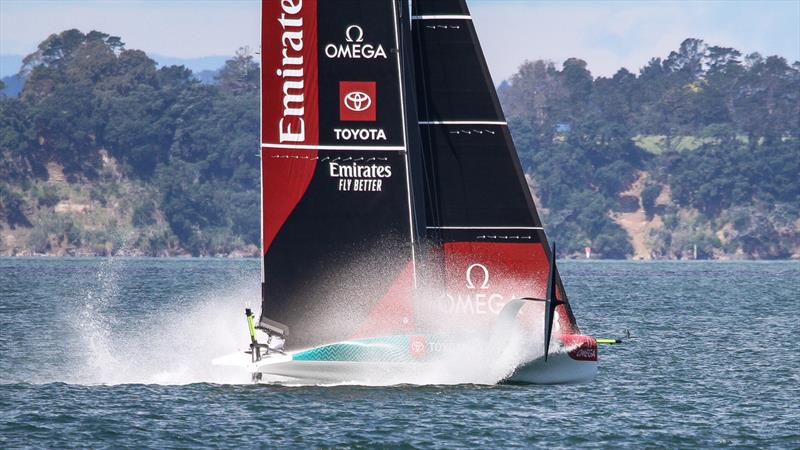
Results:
x,y
382,349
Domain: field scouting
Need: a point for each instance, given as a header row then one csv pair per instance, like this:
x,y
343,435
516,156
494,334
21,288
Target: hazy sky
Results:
x,y
607,34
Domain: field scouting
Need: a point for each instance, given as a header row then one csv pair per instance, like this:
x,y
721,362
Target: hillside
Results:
x,y
103,152
698,150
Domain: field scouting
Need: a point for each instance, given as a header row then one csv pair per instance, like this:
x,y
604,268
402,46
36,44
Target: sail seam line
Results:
x,y
335,147
463,122
442,17
485,228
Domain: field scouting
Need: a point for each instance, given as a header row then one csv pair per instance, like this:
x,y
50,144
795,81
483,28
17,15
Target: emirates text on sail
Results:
x,y
359,178
291,127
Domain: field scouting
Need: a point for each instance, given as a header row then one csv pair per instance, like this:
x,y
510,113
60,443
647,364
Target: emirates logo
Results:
x,y
357,101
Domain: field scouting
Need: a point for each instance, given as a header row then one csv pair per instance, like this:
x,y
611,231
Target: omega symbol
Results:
x,y
359,36
485,283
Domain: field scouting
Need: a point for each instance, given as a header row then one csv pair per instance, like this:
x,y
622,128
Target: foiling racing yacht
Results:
x,y
395,213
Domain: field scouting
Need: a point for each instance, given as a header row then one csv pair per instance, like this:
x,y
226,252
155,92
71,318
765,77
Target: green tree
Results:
x,y
240,74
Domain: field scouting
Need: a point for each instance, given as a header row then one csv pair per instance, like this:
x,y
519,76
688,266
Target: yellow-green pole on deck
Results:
x,y
255,349
250,325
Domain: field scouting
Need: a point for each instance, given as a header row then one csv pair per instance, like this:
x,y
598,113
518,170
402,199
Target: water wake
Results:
x,y
173,344
176,342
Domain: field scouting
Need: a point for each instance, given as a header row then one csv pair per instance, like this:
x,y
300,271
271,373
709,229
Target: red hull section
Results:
x,y
582,348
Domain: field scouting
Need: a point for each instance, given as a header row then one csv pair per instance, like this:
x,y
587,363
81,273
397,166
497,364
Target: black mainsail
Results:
x,y
338,236
390,183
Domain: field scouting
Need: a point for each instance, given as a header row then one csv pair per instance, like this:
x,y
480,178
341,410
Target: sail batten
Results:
x,y
463,122
400,148
442,17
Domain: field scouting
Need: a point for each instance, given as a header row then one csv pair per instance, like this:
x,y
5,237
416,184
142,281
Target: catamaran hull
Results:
x,y
559,369
397,360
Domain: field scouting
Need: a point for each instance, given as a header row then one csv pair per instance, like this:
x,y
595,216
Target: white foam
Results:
x,y
173,345
176,344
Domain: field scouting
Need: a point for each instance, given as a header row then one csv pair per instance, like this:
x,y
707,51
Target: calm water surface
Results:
x,y
115,353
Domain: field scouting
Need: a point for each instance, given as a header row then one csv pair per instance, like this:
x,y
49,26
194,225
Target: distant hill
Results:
x,y
203,63
108,151
697,155
9,68
207,76
12,86
10,64
204,68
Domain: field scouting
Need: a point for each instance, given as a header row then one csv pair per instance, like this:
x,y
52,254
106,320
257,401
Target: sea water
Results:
x,y
116,353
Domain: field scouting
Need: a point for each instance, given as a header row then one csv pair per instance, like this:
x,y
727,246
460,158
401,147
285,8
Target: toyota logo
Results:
x,y
357,101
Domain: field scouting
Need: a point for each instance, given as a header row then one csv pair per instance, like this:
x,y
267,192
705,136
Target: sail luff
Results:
x,y
262,247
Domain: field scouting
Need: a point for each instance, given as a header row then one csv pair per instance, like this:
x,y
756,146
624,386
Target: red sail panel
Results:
x,y
285,178
289,72
481,277
290,107
394,314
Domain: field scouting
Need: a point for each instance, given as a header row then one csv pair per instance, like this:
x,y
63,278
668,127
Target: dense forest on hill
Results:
x,y
699,149
104,152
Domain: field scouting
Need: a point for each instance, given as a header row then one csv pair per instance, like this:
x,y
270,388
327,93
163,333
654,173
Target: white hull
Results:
x,y
560,368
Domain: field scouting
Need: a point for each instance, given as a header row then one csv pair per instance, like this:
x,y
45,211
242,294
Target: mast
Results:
x,y
413,138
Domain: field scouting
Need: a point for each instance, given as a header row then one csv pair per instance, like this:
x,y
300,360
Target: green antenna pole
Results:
x,y
253,341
